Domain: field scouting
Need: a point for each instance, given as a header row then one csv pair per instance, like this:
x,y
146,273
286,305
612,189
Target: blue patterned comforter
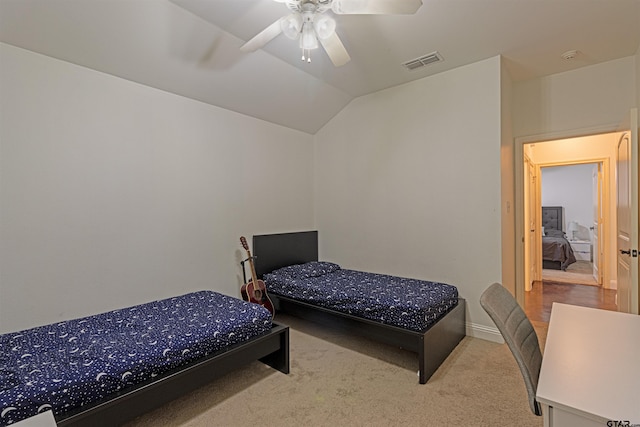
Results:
x,y
66,365
407,303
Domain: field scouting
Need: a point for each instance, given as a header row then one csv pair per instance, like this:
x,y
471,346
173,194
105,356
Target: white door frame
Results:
x,y
600,200
519,190
603,200
531,241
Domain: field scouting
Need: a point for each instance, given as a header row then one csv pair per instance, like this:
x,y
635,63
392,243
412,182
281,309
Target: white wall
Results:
x,y
585,98
408,182
507,176
113,193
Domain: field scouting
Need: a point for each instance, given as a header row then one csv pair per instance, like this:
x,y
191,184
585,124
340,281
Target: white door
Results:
x,y
530,221
535,232
597,222
627,208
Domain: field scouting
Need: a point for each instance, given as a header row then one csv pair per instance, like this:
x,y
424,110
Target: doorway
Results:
x,y
573,192
590,231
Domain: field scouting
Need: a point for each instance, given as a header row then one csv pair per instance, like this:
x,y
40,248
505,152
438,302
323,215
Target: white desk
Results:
x,y
591,368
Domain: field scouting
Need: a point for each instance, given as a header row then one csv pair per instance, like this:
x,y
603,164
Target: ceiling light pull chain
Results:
x,y
308,55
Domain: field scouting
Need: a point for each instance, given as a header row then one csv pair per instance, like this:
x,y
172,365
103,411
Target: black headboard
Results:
x,y
552,218
273,251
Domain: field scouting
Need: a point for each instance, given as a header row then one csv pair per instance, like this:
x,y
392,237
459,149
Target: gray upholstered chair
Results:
x,y
518,332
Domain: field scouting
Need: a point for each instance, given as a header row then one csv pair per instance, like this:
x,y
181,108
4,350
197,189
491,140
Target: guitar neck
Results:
x,y
254,276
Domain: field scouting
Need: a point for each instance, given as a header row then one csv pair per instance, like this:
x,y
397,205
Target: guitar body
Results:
x,y
257,294
255,290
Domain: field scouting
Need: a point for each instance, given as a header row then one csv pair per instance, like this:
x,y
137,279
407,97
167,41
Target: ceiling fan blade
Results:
x,y
376,7
335,49
263,37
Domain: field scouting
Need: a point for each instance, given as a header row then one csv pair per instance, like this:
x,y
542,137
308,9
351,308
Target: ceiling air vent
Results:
x,y
422,61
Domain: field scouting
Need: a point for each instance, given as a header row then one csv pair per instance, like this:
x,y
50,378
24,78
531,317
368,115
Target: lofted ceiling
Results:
x,y
192,47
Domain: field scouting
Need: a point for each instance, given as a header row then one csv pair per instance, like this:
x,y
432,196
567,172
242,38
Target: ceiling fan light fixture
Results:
x,y
308,39
291,25
312,28
325,26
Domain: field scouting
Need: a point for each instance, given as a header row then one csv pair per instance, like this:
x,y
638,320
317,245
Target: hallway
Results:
x,y
580,272
539,300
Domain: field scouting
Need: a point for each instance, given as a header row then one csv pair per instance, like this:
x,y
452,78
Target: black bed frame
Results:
x,y
272,348
433,345
552,219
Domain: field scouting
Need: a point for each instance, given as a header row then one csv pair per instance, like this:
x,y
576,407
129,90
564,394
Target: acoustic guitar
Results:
x,y
255,291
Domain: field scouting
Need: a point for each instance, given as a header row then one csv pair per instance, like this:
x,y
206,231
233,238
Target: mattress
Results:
x,y
66,365
558,249
407,303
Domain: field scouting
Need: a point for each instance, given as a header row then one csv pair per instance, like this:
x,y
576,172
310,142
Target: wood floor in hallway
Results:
x,y
543,294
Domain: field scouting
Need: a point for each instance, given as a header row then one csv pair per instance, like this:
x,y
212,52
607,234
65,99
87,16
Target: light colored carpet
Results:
x,y
338,380
580,272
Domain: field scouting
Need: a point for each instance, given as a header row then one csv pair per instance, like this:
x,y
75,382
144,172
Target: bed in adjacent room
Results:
x,y
557,253
111,367
425,317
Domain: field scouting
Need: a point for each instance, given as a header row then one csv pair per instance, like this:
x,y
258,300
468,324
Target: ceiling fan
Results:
x,y
309,23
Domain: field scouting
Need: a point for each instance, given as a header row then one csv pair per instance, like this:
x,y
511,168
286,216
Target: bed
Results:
x,y
431,332
557,253
106,369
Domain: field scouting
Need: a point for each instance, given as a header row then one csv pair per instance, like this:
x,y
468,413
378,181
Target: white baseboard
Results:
x,y
489,333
